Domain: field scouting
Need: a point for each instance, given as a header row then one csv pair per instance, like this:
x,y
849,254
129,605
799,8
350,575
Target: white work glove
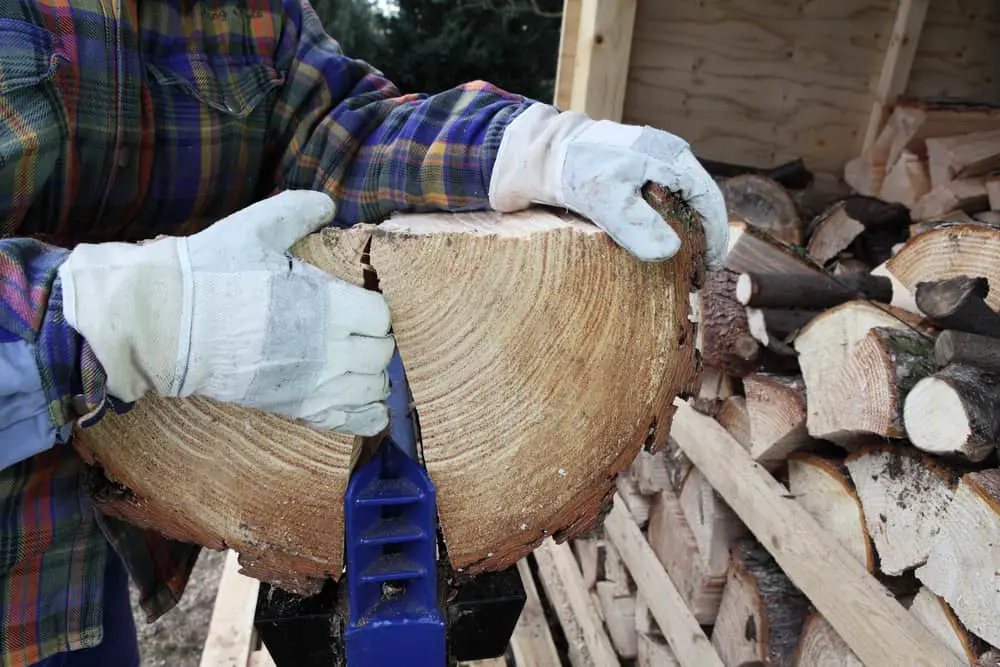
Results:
x,y
597,169
229,314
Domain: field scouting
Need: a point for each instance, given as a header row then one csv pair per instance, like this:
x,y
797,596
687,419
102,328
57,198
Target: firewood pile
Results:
x,y
832,494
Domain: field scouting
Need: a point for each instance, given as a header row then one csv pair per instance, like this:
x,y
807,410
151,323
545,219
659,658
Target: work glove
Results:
x,y
230,314
597,169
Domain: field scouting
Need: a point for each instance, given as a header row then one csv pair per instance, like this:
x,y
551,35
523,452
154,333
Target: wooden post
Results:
x,y
567,53
910,16
600,64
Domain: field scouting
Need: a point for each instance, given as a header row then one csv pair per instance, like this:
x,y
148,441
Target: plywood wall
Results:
x,y
764,81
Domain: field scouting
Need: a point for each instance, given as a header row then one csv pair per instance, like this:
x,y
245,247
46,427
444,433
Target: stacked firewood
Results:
x,y
855,355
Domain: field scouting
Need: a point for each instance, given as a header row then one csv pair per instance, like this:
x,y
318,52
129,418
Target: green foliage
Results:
x,y
431,45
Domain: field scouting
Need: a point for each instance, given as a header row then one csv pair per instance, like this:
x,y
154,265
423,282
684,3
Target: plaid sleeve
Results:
x,y
31,312
341,127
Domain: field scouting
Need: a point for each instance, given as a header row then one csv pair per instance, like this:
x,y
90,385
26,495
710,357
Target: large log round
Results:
x,y
540,354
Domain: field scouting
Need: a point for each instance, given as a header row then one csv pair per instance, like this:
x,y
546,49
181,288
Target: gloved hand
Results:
x,y
597,169
229,314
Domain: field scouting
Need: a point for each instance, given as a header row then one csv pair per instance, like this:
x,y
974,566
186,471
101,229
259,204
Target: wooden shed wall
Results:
x,y
760,82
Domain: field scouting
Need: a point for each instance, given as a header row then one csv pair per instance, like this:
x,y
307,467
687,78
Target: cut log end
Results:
x,y
765,204
489,386
776,406
956,412
821,646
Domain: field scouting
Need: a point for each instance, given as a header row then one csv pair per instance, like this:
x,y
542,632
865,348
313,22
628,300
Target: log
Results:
x,y
822,486
958,347
674,543
770,325
735,418
764,204
904,496
761,290
849,266
761,613
906,181
868,394
776,406
955,412
832,232
959,303
751,249
724,336
963,155
967,195
821,646
713,523
619,618
949,251
654,652
963,560
938,617
650,472
988,217
830,347
588,365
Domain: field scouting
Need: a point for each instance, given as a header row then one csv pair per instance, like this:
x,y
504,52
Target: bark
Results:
x,y
726,343
958,303
763,290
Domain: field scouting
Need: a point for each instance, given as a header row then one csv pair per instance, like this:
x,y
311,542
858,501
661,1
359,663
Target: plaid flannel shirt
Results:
x,y
123,119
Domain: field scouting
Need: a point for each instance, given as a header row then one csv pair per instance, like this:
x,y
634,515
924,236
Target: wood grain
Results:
x,y
541,356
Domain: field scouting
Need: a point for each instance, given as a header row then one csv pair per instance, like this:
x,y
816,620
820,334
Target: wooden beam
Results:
x,y
230,631
687,640
600,67
567,53
910,16
863,612
532,643
588,643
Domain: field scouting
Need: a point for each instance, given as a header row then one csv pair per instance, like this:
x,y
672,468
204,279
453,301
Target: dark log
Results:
x,y
762,203
959,303
959,347
816,291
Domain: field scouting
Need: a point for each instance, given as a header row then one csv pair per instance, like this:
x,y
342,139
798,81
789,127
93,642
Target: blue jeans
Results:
x,y
120,647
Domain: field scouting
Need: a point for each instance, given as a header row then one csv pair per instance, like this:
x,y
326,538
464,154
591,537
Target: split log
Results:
x,y
950,251
724,337
938,617
906,181
852,375
761,613
763,203
821,646
674,543
488,371
849,266
963,155
654,652
955,411
776,406
650,473
959,303
761,290
902,296
904,496
964,559
619,618
911,123
636,502
822,486
713,523
735,418
752,250
854,218
968,194
988,217
958,347
993,191
832,232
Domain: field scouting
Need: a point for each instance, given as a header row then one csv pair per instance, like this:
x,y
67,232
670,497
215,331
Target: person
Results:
x,y
157,161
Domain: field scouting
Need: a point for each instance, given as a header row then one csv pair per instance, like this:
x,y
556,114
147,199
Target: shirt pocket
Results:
x,y
31,130
211,120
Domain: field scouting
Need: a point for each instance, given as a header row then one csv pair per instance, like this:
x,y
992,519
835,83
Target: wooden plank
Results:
x,y
685,637
532,643
230,631
588,643
567,53
899,55
492,662
876,627
261,658
600,67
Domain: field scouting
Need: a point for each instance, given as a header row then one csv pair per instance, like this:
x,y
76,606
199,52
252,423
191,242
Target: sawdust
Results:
x,y
177,638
